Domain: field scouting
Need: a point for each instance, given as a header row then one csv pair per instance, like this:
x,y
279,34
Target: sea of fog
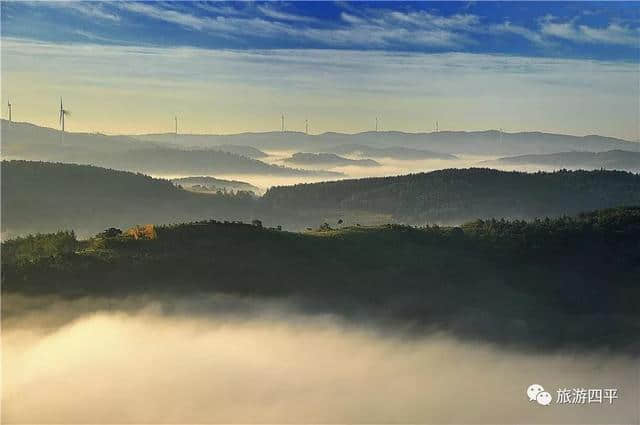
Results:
x,y
215,359
388,167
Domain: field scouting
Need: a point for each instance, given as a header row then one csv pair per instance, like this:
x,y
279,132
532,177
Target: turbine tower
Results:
x,y
376,124
306,126
175,119
9,110
282,123
63,113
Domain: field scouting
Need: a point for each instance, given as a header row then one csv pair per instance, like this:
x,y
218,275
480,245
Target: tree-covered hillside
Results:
x,y
457,195
549,282
212,184
609,160
328,160
159,160
45,197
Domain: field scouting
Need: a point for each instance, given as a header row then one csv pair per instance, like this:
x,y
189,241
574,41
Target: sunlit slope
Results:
x,y
568,280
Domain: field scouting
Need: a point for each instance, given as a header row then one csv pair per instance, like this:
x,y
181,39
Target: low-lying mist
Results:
x,y
388,167
224,359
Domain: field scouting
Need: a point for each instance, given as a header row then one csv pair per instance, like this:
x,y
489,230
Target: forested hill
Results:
x,y
549,283
610,160
457,195
307,159
45,197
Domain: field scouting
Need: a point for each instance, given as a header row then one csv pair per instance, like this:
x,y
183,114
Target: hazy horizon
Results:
x,y
311,134
237,68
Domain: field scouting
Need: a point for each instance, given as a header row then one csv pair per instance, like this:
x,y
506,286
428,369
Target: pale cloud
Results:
x,y
385,28
272,12
373,29
172,16
508,27
89,9
351,19
219,8
611,34
427,20
358,27
550,28
93,10
225,26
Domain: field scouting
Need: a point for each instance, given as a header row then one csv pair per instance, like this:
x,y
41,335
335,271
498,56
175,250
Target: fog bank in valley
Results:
x,y
237,360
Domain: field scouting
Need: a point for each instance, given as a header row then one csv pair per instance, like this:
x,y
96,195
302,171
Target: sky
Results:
x,y
130,67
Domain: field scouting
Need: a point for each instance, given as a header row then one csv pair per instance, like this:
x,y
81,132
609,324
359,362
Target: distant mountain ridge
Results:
x,y
29,142
396,152
489,142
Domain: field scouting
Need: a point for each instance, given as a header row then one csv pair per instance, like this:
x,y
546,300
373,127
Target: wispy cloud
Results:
x,y
227,26
611,34
162,14
384,27
368,27
274,13
508,27
93,10
371,28
404,27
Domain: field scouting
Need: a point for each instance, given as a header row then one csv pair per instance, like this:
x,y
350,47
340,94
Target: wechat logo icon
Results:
x,y
535,392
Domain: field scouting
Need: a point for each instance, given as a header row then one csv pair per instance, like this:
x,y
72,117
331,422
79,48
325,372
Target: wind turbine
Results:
x,y
282,118
376,124
306,126
63,113
9,109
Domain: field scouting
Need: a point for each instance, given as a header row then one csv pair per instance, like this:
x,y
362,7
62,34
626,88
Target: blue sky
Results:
x,y
564,67
609,31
